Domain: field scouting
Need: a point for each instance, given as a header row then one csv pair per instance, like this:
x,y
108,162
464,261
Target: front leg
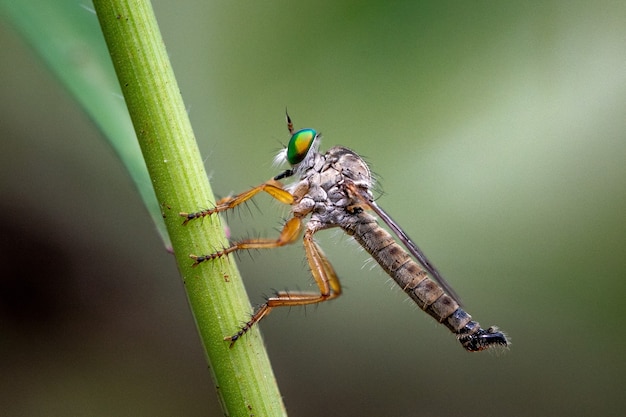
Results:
x,y
272,187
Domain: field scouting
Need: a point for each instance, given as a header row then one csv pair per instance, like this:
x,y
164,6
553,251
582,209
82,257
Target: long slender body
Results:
x,y
345,180
414,280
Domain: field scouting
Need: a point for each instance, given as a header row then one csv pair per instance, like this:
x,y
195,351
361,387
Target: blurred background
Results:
x,y
497,133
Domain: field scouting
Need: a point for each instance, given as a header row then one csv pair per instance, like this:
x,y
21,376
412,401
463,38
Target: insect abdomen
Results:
x,y
426,293
413,279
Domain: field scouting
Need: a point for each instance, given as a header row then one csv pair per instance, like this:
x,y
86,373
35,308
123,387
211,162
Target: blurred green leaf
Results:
x,y
66,35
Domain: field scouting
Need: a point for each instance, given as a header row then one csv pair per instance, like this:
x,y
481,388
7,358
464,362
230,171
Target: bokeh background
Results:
x,y
498,134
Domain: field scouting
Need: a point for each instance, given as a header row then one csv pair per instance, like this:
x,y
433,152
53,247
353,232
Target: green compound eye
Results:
x,y
299,145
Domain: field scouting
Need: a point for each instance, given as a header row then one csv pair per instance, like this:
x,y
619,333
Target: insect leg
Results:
x,y
325,278
289,234
272,187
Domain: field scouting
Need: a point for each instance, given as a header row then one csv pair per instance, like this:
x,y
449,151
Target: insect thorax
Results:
x,y
322,187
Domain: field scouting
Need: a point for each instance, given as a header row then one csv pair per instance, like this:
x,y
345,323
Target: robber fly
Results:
x,y
333,189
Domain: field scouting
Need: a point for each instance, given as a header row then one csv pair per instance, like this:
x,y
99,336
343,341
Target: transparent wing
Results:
x,y
407,242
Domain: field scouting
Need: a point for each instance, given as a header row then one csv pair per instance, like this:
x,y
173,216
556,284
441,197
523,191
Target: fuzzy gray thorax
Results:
x,y
322,192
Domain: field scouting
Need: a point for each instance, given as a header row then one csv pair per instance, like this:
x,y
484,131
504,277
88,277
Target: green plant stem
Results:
x,y
243,376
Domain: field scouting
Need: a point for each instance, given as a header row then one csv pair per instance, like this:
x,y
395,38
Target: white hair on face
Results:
x,y
280,158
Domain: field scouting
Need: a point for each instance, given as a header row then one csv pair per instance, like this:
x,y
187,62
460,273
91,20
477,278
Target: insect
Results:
x,y
333,189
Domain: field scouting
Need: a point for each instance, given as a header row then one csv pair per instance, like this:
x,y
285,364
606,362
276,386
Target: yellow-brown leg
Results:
x,y
272,187
325,278
289,234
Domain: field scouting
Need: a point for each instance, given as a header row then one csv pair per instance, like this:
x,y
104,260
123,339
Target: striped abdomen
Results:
x,y
414,280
